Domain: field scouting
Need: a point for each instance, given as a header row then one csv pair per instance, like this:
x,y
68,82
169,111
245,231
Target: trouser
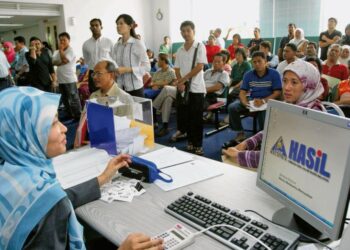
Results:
x,y
70,99
190,119
235,109
164,102
137,92
92,86
5,83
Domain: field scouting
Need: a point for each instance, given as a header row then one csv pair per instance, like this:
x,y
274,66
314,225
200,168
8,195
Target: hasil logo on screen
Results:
x,y
306,157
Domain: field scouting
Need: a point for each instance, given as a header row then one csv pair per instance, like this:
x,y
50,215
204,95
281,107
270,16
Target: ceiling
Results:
x,y
28,14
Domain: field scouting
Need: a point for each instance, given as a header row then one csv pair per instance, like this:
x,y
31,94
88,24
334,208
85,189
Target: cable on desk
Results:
x,y
235,228
304,235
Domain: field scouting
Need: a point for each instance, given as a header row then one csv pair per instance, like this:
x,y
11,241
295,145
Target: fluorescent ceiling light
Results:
x,y
5,17
11,24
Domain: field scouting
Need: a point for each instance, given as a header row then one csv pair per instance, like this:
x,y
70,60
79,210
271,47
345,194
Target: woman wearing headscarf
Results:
x,y
299,41
130,55
344,57
36,213
302,87
10,53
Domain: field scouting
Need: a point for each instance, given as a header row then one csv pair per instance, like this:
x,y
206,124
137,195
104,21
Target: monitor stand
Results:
x,y
287,218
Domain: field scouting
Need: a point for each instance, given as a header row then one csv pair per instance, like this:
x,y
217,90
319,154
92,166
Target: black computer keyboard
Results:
x,y
201,213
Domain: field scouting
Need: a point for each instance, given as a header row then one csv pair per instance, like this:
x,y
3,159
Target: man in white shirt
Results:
x,y
64,58
189,70
95,49
4,72
219,40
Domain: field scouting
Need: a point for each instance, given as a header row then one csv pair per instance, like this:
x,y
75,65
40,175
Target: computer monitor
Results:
x,y
305,164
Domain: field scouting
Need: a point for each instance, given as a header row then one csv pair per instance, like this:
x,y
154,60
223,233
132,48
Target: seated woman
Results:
x,y
299,41
36,212
302,87
345,55
212,50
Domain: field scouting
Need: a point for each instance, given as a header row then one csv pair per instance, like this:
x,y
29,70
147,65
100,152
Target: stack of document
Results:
x,y
76,167
253,108
181,166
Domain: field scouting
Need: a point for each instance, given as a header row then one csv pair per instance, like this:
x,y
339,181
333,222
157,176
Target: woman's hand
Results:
x,y
138,241
113,165
231,153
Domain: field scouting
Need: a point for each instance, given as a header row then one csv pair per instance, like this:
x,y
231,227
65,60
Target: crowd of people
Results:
x,y
193,78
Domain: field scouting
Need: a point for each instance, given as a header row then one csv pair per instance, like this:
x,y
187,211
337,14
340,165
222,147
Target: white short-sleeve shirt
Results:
x,y
211,79
184,61
4,65
66,72
95,50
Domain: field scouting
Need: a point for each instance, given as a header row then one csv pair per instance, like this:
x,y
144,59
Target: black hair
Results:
x,y
292,46
315,59
334,19
187,23
164,57
64,34
226,54
347,27
259,54
238,36
242,52
110,66
266,44
129,21
292,24
96,20
20,39
313,44
33,38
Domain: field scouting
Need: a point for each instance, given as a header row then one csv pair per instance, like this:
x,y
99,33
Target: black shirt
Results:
x,y
40,70
324,50
52,230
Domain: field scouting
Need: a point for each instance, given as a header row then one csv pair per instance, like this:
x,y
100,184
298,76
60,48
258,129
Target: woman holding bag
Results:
x,y
190,60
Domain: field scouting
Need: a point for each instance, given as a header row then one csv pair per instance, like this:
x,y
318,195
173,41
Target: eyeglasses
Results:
x,y
98,74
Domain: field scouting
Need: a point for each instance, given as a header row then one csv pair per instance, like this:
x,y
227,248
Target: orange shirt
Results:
x,y
343,87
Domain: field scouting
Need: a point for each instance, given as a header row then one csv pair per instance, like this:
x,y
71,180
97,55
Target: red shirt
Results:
x,y
339,71
212,50
232,50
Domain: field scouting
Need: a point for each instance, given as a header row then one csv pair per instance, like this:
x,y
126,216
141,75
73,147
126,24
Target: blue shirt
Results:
x,y
261,87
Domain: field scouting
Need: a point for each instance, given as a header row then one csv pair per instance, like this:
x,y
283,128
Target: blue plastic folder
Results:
x,y
101,127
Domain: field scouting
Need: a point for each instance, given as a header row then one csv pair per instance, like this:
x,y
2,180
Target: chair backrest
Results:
x,y
333,108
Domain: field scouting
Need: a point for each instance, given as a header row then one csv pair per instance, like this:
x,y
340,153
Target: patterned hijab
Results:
x,y
310,77
28,184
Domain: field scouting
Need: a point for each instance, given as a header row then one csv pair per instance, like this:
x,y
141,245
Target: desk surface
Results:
x,y
235,189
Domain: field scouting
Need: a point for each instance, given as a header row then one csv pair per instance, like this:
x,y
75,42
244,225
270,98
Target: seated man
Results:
x,y
216,80
332,67
164,76
104,75
263,83
289,55
272,60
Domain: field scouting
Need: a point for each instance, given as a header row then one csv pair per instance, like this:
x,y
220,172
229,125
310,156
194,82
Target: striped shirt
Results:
x,y
261,87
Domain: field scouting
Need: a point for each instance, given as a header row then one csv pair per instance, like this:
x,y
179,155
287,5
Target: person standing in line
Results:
x,y
329,37
95,49
130,55
189,115
64,58
285,40
21,66
41,72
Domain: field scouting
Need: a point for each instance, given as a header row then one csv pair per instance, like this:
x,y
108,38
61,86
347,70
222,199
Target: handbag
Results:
x,y
182,98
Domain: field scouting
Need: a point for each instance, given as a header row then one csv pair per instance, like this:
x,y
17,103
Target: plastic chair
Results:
x,y
333,108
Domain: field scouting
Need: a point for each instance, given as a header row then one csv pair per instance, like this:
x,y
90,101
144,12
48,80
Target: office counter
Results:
x,y
235,189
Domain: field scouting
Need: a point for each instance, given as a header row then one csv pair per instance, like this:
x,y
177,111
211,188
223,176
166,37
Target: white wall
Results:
x,y
26,33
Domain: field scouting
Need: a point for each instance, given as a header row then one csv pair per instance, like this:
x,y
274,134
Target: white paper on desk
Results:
x,y
166,157
253,108
188,173
79,166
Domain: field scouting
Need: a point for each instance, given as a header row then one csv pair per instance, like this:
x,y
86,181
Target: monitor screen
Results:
x,y
304,163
